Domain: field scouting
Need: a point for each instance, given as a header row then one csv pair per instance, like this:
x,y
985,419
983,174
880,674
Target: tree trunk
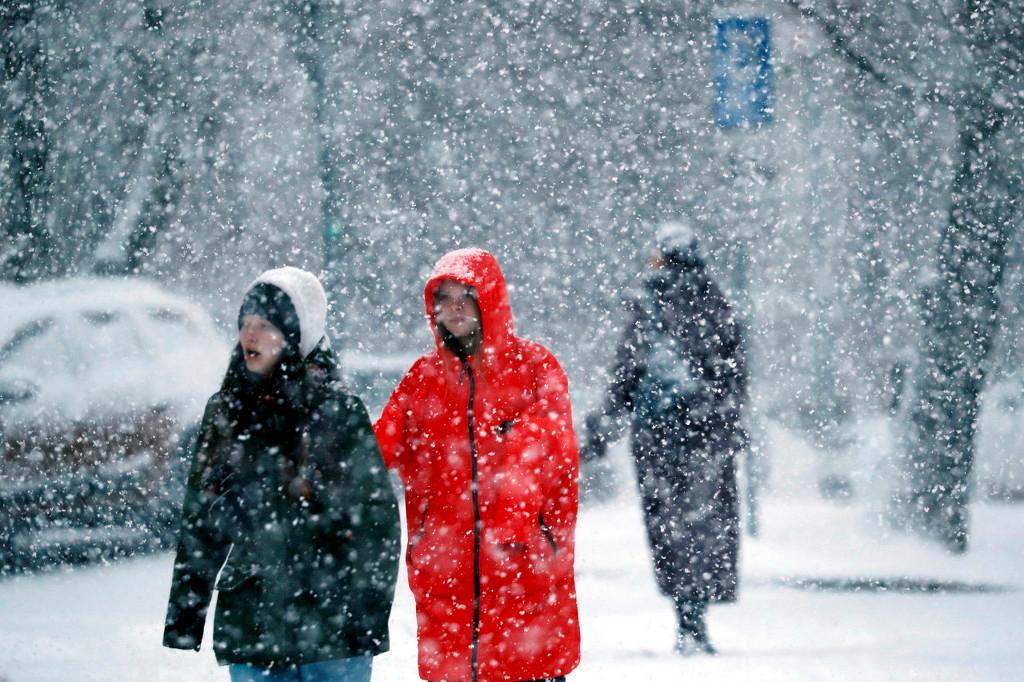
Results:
x,y
960,307
30,252
312,43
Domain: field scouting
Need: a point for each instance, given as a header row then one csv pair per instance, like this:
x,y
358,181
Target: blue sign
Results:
x,y
743,72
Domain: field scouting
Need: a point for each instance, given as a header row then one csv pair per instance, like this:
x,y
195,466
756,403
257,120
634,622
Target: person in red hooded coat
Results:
x,y
480,432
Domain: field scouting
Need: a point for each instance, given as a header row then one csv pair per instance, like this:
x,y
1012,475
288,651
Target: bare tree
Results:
x,y
29,251
964,60
317,31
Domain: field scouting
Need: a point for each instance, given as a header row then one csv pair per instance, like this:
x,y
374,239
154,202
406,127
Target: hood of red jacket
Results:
x,y
478,269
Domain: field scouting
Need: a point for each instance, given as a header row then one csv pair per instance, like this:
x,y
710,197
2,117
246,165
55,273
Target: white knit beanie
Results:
x,y
309,299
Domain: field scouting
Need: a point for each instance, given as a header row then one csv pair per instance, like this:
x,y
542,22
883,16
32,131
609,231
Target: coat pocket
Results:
x,y
420,530
237,571
524,569
243,622
440,561
548,535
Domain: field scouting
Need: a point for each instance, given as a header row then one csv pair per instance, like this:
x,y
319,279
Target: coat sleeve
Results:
x,y
608,423
391,428
203,544
359,510
731,375
540,486
728,371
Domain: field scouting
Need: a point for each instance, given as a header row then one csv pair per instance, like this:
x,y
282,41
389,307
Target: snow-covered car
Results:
x,y
999,455
98,377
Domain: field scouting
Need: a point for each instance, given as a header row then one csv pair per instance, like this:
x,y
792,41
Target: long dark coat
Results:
x,y
680,376
288,499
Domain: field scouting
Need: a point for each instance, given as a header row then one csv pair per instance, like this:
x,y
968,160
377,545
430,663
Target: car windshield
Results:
x,y
167,330
33,344
109,342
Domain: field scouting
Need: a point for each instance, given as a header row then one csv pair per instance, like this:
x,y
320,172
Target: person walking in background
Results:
x,y
680,377
480,431
289,502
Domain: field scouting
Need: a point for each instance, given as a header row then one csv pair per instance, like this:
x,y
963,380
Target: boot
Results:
x,y
692,635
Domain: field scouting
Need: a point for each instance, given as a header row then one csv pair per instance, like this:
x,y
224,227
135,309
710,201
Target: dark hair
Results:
x,y
463,347
271,303
302,384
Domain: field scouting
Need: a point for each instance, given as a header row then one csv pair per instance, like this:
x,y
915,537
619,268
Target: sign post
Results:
x,y
743,72
744,104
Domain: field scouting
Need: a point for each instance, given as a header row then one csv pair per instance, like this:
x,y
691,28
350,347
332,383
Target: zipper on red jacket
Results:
x,y
474,663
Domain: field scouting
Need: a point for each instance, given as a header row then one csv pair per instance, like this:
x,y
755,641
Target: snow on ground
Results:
x,y
104,623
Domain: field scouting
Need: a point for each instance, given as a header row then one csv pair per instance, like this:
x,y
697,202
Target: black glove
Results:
x,y
594,444
593,449
598,480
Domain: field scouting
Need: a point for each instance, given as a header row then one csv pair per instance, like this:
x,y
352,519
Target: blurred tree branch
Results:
x,y
978,68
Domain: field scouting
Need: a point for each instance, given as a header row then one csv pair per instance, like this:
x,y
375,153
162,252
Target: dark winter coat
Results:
x,y
680,376
487,452
289,501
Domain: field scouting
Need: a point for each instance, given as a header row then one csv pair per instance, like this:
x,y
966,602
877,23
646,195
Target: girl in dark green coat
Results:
x,y
289,513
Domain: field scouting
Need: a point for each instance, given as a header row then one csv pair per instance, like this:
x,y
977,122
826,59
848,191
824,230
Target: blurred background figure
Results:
x,y
680,377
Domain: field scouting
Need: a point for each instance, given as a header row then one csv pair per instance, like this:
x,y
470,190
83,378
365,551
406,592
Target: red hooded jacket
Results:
x,y
488,455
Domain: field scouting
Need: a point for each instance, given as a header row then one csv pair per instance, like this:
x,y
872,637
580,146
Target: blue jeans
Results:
x,y
355,669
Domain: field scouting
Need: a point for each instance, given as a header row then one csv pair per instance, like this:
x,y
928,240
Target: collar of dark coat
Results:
x,y
285,397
